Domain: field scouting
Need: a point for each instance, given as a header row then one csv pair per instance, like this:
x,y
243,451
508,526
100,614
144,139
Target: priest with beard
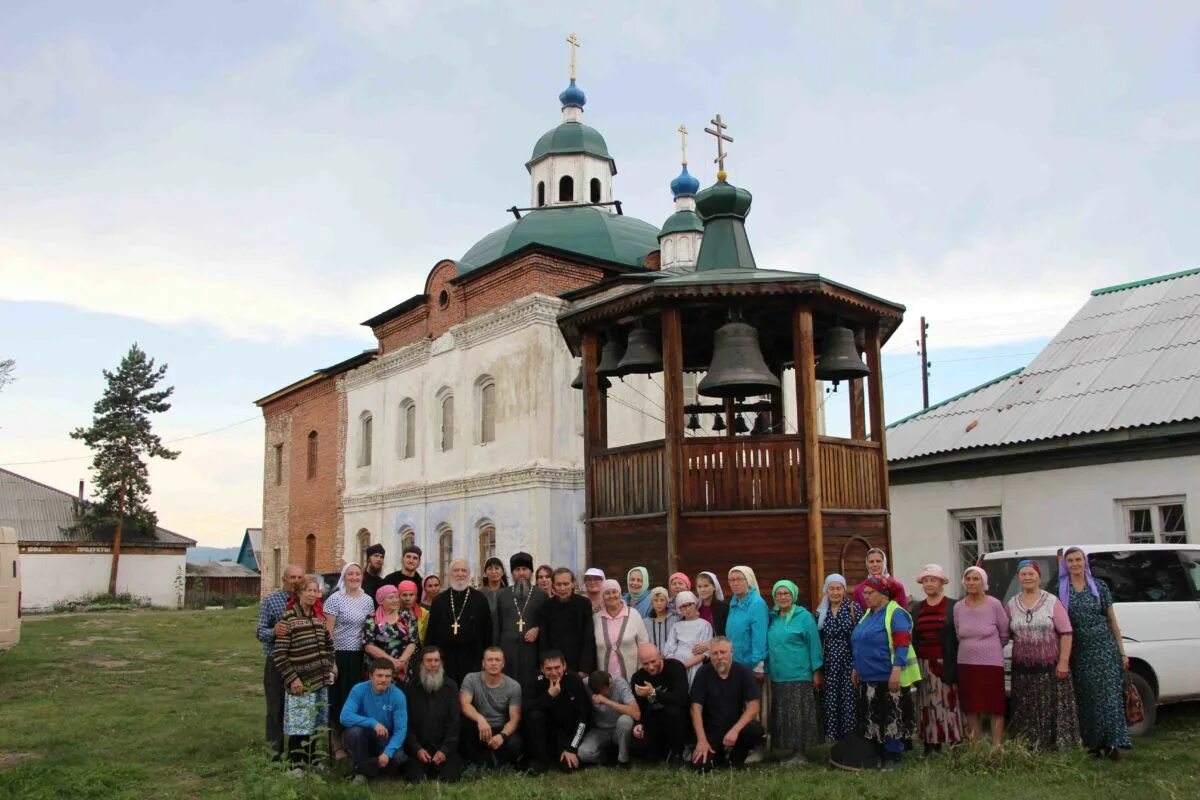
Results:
x,y
460,624
433,723
519,608
566,625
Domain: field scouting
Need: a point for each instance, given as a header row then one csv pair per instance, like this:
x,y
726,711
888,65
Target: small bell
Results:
x,y
693,423
718,422
610,359
839,357
641,354
739,424
760,425
604,382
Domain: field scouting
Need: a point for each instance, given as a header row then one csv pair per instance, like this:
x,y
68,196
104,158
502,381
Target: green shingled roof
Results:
x,y
568,138
584,230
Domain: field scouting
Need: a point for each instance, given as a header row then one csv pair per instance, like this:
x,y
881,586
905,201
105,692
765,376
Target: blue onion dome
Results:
x,y
572,96
685,185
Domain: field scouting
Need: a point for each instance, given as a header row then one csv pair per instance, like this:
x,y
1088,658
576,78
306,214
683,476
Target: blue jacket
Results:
x,y
793,646
364,708
746,627
873,658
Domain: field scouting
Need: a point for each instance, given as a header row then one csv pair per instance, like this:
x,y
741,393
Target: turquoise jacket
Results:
x,y
746,627
793,646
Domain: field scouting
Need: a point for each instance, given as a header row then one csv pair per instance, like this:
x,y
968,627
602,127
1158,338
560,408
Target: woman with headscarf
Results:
x,y
793,661
746,626
619,631
637,580
1097,657
1042,698
836,617
346,613
877,566
688,632
981,626
940,719
885,670
678,582
392,632
493,580
713,608
304,657
661,618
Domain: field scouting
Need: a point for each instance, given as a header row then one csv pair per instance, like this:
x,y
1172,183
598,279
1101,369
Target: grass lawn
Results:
x,y
168,705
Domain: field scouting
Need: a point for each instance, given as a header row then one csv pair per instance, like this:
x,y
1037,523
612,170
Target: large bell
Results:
x,y
839,357
737,368
641,354
610,359
578,382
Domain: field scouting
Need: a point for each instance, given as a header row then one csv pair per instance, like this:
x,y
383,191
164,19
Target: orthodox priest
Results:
x,y
460,624
519,608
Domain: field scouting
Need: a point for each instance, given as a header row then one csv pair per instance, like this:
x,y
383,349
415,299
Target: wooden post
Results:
x,y
806,419
875,398
593,431
778,424
672,353
729,417
858,411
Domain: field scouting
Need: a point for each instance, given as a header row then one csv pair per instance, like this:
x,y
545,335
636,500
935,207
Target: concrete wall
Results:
x,y
1078,505
48,578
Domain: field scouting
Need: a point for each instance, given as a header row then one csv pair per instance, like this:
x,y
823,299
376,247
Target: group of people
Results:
x,y
527,668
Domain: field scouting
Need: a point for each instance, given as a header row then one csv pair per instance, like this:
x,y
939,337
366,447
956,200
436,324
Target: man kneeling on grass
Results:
x,y
375,718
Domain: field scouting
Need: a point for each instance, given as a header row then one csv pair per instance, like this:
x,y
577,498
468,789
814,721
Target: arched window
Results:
x,y
407,539
365,428
447,422
408,429
487,545
566,189
310,554
541,194
486,398
312,455
595,185
445,550
364,541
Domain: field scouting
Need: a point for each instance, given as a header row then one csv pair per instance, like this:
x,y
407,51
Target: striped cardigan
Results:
x,y
305,651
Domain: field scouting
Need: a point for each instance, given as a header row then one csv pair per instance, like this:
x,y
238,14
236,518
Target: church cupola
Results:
x,y
570,164
682,233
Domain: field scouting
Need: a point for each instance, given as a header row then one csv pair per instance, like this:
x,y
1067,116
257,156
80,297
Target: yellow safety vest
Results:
x,y
910,673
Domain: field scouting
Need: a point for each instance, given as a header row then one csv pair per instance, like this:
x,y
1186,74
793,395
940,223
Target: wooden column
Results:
x,y
806,419
672,353
593,430
729,416
858,410
875,399
778,424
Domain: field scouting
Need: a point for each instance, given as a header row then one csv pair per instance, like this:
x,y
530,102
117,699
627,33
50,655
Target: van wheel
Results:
x,y
1149,703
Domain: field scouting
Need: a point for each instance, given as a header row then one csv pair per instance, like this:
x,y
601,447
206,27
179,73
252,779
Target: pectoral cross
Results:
x,y
454,627
683,143
520,624
573,40
719,132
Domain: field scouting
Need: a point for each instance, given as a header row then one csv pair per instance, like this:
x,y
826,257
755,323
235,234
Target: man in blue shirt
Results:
x,y
269,614
375,722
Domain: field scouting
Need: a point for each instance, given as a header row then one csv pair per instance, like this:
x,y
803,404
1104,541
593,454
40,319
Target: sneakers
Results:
x,y
359,780
755,757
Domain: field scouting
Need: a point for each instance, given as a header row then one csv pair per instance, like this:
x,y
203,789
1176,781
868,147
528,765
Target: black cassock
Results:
x,y
462,647
514,604
567,626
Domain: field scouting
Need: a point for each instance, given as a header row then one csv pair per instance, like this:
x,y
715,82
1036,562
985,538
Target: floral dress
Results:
x,y
1042,704
839,698
393,637
1096,672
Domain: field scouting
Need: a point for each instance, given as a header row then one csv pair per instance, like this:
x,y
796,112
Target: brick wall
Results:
x,y
275,499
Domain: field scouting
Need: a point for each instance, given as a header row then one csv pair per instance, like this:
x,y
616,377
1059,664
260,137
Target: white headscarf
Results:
x,y
341,584
751,579
823,608
719,593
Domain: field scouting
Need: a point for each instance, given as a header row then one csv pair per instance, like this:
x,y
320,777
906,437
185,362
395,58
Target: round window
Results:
x,y
443,298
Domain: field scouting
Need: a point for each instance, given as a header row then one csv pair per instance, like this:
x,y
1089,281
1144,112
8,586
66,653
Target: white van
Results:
x,y
1156,596
10,589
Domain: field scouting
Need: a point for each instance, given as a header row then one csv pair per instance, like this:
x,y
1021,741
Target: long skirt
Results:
x,y
981,689
303,714
349,667
794,721
886,717
1043,710
839,703
940,718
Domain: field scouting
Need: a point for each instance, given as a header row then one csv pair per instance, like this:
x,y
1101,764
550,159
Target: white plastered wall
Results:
x,y
49,578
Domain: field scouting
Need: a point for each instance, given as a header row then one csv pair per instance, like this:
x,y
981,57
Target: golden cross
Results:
x,y
521,624
683,142
721,139
573,40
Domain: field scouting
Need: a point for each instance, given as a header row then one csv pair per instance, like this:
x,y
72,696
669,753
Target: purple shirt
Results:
x,y
982,632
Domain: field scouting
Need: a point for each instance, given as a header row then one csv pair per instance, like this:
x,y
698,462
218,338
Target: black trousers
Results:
x,y
274,690
364,746
544,740
448,771
665,733
750,737
477,752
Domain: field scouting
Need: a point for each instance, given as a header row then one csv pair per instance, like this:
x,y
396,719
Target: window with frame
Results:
x,y
566,189
446,439
364,541
366,427
1155,520
408,429
979,531
487,545
312,455
487,410
445,551
595,188
310,554
278,465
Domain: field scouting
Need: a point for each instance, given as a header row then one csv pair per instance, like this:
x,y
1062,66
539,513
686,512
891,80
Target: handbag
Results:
x,y
1135,711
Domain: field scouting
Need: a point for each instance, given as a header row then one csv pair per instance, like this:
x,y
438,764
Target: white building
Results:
x,y
1096,441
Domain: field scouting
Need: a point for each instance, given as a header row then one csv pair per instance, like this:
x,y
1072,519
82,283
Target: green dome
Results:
x,y
568,138
587,231
682,222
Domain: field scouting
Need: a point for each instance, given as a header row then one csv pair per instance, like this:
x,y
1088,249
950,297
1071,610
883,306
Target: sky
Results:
x,y
236,186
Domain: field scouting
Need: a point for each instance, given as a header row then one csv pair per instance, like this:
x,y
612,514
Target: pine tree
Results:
x,y
122,441
7,365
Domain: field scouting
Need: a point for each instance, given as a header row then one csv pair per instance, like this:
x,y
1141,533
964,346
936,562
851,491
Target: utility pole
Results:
x,y
921,344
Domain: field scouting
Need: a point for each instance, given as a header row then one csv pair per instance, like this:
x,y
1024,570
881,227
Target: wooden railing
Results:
x,y
849,473
739,474
629,480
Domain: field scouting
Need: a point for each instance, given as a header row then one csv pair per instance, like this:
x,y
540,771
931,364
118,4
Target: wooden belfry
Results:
x,y
780,497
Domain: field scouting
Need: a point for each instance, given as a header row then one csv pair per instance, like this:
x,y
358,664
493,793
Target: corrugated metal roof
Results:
x,y
1130,357
43,514
219,569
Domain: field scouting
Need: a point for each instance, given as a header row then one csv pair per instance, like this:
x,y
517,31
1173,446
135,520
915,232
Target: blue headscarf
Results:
x,y
823,608
1064,577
